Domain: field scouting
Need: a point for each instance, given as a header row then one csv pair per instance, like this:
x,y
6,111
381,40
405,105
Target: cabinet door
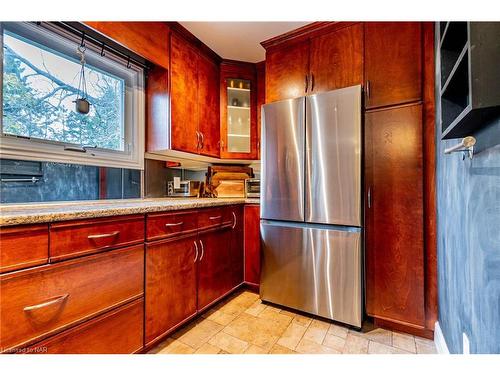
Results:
x,y
183,96
287,70
252,244
208,106
236,256
337,59
394,215
213,266
170,285
393,63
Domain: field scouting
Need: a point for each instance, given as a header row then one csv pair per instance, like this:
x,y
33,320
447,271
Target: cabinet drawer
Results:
x,y
210,218
117,332
164,225
23,246
84,237
47,299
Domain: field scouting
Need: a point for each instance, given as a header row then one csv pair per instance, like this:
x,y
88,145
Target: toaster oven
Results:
x,y
252,188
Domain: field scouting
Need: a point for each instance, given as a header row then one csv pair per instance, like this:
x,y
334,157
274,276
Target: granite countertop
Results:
x,y
31,213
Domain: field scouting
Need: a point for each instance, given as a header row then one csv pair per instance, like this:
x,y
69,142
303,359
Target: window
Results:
x,y
40,78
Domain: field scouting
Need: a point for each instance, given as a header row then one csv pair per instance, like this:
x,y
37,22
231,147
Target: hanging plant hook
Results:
x,y
81,103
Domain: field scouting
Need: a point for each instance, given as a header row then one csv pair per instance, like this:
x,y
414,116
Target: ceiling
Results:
x,y
239,40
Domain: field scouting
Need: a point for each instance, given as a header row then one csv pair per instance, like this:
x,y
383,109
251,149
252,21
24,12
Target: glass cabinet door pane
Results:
x,y
238,115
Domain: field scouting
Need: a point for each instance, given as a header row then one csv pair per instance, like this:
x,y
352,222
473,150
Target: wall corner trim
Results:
x,y
439,340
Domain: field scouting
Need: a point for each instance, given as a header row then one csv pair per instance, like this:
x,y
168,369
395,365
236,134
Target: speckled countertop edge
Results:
x,y
35,213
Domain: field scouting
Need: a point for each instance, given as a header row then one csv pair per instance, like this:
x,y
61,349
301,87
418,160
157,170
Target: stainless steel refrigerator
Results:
x,y
311,220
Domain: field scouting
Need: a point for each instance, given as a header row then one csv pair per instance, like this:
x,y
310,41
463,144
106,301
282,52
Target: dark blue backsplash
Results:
x,y
65,182
468,209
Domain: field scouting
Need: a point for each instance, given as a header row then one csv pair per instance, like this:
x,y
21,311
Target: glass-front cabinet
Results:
x,y
238,112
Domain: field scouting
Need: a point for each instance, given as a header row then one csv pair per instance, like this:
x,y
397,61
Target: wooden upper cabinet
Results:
x,y
147,39
393,63
238,108
394,215
337,59
287,69
183,95
208,106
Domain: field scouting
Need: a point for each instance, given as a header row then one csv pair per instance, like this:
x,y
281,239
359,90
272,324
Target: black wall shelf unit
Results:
x,y
469,55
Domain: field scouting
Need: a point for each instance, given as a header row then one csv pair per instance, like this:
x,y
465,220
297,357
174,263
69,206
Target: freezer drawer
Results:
x,y
282,176
312,268
333,157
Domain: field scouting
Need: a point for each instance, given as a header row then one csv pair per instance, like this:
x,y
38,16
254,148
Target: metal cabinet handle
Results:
x,y
307,82
202,250
202,140
52,301
105,235
197,139
196,251
367,89
234,220
222,145
312,82
174,224
215,217
369,198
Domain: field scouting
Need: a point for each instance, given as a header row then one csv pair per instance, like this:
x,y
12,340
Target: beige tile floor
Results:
x,y
242,324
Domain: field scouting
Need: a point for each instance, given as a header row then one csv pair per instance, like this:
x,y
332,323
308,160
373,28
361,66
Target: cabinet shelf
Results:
x,y
469,55
238,107
239,135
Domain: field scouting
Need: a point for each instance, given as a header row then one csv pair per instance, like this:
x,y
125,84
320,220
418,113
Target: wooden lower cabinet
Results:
x,y
170,284
252,245
117,332
214,272
42,301
395,289
236,259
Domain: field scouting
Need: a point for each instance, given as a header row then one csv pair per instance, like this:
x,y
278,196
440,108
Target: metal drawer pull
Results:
x,y
215,217
234,222
50,302
196,250
174,224
202,250
105,235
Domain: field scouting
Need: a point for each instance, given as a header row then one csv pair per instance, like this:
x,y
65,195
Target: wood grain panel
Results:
x,y
148,39
208,106
286,71
83,237
184,95
44,300
170,285
23,246
252,243
393,63
117,332
337,59
157,103
394,219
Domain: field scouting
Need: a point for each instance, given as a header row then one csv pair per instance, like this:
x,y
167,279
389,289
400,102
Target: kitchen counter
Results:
x,y
43,212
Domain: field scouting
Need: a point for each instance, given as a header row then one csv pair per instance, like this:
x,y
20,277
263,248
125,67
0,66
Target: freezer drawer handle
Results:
x,y
50,302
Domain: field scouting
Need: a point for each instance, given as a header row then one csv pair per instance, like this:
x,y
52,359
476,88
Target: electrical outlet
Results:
x,y
465,344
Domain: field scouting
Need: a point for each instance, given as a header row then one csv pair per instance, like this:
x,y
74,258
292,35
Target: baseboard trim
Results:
x,y
439,340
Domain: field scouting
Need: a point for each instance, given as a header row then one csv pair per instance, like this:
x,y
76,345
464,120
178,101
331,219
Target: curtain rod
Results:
x,y
105,43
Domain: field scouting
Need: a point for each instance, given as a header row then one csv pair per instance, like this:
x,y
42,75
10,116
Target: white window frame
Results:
x,y
21,148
